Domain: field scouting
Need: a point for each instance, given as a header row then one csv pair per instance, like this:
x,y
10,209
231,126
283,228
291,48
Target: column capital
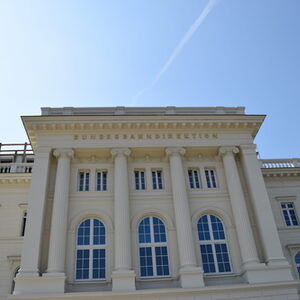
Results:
x,y
120,152
63,152
228,150
175,151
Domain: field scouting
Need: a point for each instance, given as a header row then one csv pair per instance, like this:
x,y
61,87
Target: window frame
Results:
x,y
139,185
86,186
194,181
155,181
152,245
101,184
90,247
209,179
214,242
288,210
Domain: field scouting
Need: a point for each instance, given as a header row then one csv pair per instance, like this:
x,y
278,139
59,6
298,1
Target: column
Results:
x,y
59,221
34,226
123,277
264,216
246,240
190,274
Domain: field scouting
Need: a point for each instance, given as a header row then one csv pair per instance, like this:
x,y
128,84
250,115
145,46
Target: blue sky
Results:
x,y
102,53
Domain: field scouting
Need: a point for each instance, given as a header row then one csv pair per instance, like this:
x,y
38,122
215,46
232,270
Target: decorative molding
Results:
x,y
23,205
175,151
15,178
64,153
228,150
120,152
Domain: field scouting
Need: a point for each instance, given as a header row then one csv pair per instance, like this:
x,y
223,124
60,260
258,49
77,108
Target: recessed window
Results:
x,y
90,250
210,176
101,180
84,181
139,179
213,245
157,181
24,219
194,178
153,250
289,214
297,262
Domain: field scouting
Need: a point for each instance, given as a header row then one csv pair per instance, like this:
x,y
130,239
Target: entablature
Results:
x,y
126,127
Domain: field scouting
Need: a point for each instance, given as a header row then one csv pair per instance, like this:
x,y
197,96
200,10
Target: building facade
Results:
x,y
147,203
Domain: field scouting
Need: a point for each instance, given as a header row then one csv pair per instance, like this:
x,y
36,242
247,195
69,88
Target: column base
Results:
x,y
39,285
191,277
262,273
123,280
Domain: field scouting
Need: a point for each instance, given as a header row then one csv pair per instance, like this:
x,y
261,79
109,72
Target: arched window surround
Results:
x,y
156,250
213,245
91,250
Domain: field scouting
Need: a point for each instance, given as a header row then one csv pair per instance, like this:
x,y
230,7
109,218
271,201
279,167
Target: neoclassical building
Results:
x,y
147,203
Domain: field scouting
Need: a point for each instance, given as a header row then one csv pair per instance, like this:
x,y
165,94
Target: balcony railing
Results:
x,y
280,163
16,158
16,168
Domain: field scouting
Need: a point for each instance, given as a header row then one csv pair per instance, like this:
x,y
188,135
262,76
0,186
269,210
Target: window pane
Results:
x,y
203,229
297,258
146,264
82,264
83,233
159,231
217,227
207,259
162,265
222,258
99,233
144,231
98,263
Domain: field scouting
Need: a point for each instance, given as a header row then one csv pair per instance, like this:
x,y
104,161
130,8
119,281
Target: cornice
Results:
x,y
13,178
287,172
93,124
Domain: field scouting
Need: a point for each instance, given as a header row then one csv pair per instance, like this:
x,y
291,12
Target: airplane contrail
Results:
x,y
207,9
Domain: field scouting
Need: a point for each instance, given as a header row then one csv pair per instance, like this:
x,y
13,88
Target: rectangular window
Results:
x,y
289,214
194,178
24,223
84,181
139,178
101,184
210,176
157,180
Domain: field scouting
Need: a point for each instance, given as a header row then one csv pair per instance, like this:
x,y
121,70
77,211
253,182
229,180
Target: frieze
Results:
x,y
146,136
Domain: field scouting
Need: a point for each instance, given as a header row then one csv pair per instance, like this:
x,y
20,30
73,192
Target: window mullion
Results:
x,y
212,239
152,240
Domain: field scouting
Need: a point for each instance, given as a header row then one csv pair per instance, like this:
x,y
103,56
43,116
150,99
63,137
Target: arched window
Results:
x,y
153,249
90,250
213,246
297,262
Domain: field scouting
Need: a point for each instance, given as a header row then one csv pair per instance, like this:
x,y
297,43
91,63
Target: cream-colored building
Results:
x,y
147,203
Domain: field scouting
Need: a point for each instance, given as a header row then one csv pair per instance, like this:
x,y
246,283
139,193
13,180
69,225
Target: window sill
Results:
x,y
154,278
295,227
90,281
217,275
